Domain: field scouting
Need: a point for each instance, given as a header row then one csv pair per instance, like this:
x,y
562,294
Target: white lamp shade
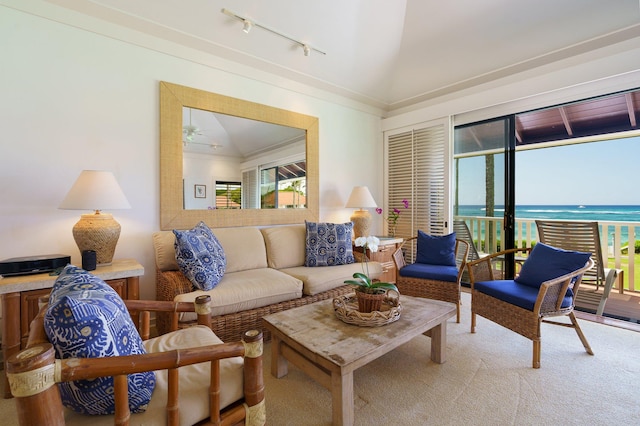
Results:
x,y
361,198
95,190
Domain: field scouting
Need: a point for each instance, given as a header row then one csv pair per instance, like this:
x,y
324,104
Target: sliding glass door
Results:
x,y
484,187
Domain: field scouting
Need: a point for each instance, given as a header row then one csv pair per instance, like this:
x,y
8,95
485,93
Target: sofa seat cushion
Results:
x,y
193,383
510,291
317,280
239,291
430,272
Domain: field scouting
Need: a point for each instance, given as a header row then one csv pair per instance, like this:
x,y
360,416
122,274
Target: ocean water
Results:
x,y
600,213
569,212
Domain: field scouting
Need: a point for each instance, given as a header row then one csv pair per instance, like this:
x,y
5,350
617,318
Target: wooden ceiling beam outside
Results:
x,y
565,120
630,109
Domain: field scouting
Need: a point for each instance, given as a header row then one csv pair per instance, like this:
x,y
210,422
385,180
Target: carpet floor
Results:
x,y
487,380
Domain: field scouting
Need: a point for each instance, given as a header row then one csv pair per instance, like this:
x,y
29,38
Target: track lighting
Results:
x,y
248,24
246,27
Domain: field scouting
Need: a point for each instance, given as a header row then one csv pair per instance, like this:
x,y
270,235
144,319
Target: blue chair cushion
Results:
x,y
86,318
328,244
430,272
200,256
546,262
436,249
515,293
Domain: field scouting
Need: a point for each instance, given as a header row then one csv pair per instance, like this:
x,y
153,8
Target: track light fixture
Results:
x,y
247,24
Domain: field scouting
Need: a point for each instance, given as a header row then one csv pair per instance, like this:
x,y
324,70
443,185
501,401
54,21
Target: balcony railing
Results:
x,y
488,235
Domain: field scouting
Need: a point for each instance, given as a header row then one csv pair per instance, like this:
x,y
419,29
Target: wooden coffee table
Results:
x,y
329,350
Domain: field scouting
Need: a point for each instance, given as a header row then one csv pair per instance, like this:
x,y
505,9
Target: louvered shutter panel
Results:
x,y
417,171
400,180
250,189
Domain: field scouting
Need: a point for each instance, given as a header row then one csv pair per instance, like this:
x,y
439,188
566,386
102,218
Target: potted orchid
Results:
x,y
394,215
369,293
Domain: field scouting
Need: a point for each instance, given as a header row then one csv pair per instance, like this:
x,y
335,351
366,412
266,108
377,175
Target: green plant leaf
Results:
x,y
387,286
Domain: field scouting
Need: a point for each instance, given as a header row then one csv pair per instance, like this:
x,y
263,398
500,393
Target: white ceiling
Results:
x,y
387,53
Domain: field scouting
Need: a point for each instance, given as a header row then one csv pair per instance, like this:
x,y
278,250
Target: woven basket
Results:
x,y
346,309
369,302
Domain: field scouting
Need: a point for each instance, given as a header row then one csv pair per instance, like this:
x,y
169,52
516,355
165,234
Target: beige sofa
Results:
x,y
265,273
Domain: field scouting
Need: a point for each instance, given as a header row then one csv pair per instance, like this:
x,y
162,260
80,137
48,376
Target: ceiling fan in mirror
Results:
x,y
191,134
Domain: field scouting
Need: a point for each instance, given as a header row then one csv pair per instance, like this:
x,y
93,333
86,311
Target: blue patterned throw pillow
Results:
x,y
86,318
328,244
200,256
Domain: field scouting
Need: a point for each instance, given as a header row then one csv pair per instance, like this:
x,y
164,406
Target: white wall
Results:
x,y
71,99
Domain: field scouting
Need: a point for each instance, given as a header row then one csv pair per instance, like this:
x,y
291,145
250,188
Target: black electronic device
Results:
x,y
33,264
89,260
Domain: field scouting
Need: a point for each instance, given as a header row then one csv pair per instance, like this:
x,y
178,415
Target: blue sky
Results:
x,y
605,172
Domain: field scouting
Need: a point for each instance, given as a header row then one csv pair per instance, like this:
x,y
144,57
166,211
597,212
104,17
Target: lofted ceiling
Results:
x,y
386,53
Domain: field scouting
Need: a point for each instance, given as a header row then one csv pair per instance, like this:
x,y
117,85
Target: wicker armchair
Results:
x,y
583,236
502,301
429,286
34,372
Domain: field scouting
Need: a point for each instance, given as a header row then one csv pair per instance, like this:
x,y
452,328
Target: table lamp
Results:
x,y
96,190
362,199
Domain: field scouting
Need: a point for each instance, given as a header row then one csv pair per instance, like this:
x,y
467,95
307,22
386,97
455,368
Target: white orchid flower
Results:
x,y
373,243
361,241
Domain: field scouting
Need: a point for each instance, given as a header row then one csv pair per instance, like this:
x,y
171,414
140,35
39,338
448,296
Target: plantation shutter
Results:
x,y
250,189
417,164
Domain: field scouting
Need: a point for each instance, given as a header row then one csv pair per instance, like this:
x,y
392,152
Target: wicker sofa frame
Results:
x,y
230,326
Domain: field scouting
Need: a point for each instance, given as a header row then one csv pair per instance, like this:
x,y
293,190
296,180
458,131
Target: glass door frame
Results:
x,y
506,135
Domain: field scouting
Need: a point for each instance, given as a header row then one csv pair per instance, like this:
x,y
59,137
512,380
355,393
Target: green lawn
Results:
x,y
624,265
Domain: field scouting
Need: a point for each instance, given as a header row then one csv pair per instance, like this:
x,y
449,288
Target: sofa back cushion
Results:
x,y
243,247
285,245
165,251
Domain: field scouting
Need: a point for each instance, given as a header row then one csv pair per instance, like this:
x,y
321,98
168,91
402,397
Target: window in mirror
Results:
x,y
222,147
284,186
228,195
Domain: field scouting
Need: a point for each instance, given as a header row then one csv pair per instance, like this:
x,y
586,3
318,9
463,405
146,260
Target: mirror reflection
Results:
x,y
234,162
175,168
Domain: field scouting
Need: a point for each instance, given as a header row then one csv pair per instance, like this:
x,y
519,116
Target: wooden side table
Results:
x,y
20,296
384,255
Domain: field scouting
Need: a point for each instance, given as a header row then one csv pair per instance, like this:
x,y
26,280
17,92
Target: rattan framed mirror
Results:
x,y
173,98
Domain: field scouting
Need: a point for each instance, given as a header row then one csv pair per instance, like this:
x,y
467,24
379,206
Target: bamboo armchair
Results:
x,y
447,291
34,372
492,301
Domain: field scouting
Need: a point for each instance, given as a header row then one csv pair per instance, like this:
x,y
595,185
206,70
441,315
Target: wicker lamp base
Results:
x,y
99,232
361,223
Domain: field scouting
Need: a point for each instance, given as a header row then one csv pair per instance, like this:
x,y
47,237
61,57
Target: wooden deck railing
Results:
x,y
620,255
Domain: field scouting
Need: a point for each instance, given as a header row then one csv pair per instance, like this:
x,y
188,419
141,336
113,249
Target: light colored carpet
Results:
x,y
487,380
